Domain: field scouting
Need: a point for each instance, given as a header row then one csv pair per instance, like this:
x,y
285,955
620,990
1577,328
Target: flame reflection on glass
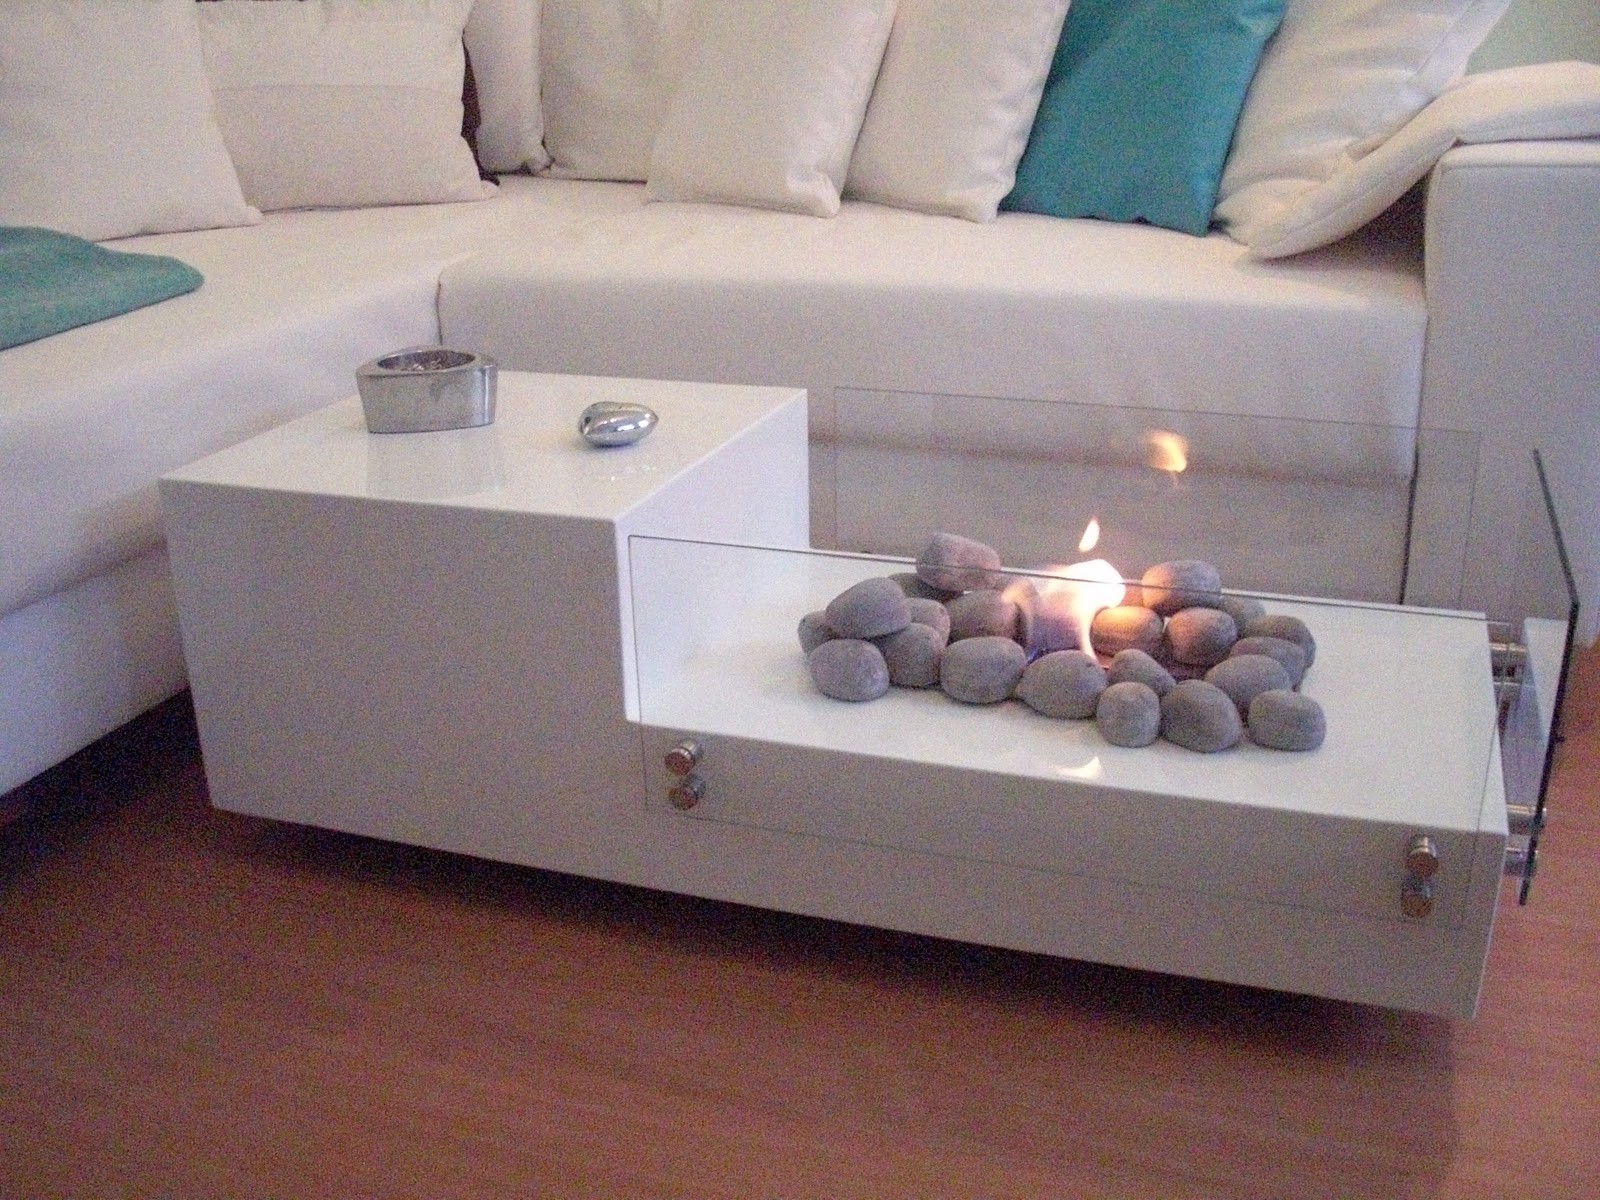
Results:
x,y
1166,451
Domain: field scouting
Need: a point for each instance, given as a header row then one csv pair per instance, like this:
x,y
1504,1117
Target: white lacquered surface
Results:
x,y
1411,718
531,459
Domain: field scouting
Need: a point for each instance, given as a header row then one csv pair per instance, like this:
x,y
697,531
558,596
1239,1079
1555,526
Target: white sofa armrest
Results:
x,y
1513,357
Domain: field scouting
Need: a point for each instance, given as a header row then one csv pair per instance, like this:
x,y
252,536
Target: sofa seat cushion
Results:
x,y
1026,307
91,417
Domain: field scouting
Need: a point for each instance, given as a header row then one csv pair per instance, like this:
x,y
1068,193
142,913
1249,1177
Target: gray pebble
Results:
x,y
814,630
1045,620
1180,671
1200,637
1199,716
1284,720
1290,629
916,589
1182,583
981,670
1288,654
1064,683
1135,666
1128,714
1246,676
931,613
958,564
913,655
848,669
983,613
1126,627
1242,609
869,609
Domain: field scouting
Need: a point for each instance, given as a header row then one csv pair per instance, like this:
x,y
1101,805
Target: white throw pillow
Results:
x,y
954,102
1339,77
607,70
106,121
342,103
771,103
1540,101
502,39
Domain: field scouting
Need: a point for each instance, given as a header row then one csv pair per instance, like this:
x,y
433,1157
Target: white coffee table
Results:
x,y
488,641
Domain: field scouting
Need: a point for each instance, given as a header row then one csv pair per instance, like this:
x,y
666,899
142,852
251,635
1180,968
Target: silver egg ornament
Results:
x,y
609,423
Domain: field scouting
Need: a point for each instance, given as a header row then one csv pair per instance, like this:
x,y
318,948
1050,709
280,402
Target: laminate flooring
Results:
x,y
196,1004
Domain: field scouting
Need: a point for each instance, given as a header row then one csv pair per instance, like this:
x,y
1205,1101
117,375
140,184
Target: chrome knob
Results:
x,y
683,757
1422,856
687,792
1416,897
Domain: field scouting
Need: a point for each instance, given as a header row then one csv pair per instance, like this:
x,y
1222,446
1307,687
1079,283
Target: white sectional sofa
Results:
x,y
1004,377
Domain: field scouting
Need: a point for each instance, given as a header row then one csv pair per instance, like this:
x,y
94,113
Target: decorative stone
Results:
x,y
1180,671
814,630
915,589
1200,637
848,669
1128,714
1126,627
1135,666
1183,583
1064,683
958,564
1045,620
1288,654
869,609
981,670
983,613
1199,716
1285,720
913,655
930,613
1290,629
1243,609
1246,676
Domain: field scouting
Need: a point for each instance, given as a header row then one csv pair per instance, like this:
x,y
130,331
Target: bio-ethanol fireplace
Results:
x,y
502,642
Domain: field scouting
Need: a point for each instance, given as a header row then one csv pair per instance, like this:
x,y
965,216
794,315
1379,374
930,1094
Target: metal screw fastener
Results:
x,y
1422,856
683,757
686,793
1416,897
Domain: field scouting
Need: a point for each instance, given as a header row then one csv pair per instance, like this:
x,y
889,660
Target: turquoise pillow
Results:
x,y
1139,109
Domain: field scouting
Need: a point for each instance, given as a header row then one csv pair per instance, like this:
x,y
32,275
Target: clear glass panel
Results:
x,y
1407,694
1532,658
1341,509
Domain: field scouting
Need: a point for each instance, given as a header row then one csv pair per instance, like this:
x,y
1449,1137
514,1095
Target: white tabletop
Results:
x,y
531,459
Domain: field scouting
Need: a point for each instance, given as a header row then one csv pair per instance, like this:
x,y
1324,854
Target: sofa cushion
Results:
x,y
1024,307
90,417
1140,108
339,103
1339,78
769,107
107,126
1539,101
502,42
607,70
953,103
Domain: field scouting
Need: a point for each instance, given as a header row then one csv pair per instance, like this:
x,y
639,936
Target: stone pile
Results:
x,y
1177,659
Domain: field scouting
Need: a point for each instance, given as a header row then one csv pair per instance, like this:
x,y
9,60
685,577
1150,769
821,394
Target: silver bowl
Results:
x,y
427,388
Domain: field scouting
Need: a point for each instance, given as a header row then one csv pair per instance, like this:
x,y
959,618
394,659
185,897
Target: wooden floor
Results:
x,y
199,1005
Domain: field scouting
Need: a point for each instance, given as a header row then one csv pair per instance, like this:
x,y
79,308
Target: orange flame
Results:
x,y
1091,536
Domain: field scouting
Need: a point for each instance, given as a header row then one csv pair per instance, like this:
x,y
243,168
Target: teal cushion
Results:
x,y
50,282
1139,109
